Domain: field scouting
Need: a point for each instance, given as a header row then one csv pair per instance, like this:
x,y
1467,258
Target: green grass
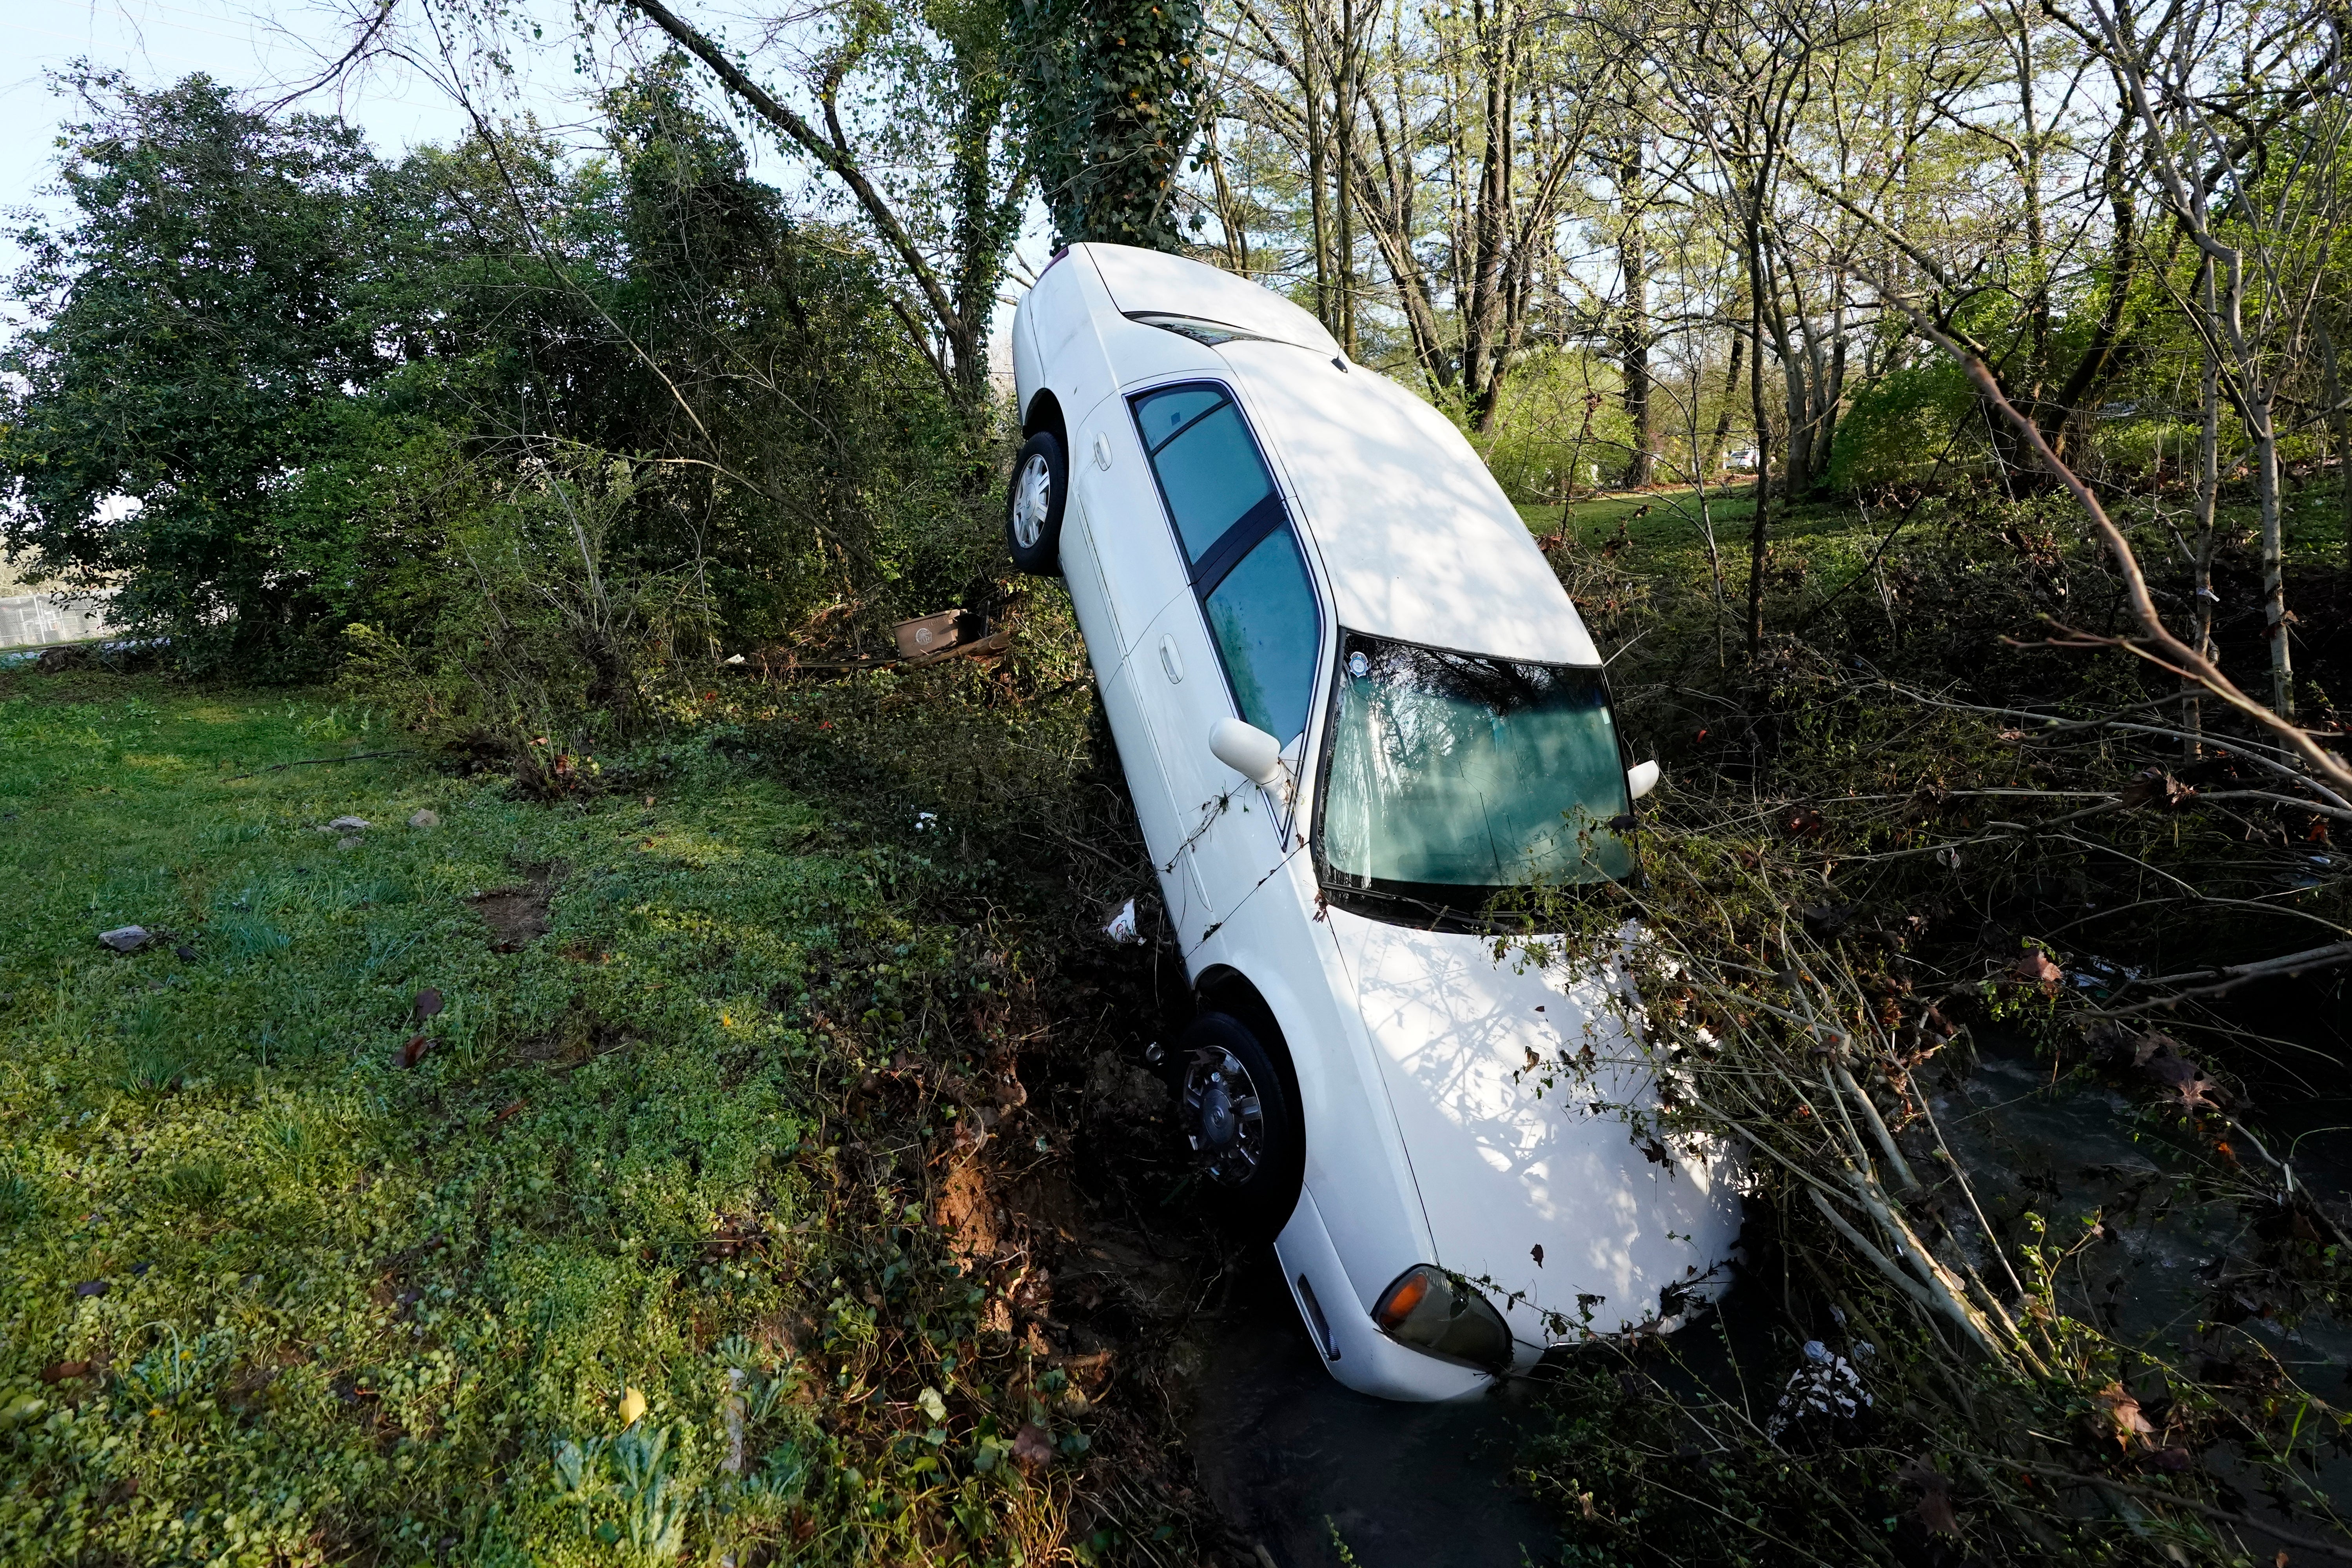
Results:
x,y
268,1296
1661,528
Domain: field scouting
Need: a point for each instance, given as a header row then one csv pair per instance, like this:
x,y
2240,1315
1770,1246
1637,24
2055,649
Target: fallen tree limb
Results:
x,y
321,762
2248,1522
2229,977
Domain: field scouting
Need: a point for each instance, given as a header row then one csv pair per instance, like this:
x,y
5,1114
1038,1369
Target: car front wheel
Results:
x,y
1247,1149
1032,508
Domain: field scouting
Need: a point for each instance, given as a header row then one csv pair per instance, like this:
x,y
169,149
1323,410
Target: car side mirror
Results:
x,y
1248,750
1641,779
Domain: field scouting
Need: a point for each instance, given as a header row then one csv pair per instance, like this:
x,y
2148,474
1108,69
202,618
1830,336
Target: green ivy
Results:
x,y
1115,94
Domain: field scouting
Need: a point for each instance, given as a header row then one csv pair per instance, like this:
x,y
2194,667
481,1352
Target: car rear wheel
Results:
x,y
1033,507
1247,1147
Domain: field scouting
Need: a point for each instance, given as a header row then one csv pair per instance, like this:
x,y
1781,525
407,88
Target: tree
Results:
x,y
1112,101
958,106
199,323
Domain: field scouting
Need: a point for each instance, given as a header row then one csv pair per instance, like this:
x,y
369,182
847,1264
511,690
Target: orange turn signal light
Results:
x,y
1402,1298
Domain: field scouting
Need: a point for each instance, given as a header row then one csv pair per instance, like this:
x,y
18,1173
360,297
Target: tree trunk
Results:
x,y
1634,335
2264,430
1310,46
2208,489
1723,414
1483,347
1761,522
1343,125
2339,423
1228,218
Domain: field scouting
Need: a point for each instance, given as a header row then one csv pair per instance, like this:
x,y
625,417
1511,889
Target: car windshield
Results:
x,y
1450,776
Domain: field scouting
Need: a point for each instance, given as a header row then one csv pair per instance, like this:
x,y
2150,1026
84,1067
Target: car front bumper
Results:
x,y
1353,1348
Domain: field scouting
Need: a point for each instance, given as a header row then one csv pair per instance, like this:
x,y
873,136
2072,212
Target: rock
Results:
x,y
348,825
90,1287
425,819
125,939
348,841
185,953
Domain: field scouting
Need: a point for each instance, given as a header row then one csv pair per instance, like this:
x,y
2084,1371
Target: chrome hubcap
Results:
x,y
1221,1116
1030,498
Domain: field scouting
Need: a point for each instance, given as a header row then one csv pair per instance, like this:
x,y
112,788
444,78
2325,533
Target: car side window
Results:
x,y
1262,618
1209,470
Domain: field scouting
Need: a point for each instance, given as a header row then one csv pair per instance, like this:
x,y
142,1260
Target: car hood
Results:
x,y
1510,1154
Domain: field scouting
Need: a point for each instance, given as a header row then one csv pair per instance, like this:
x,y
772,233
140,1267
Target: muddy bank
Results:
x,y
1297,1464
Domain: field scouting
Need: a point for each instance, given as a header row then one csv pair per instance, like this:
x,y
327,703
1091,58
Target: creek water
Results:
x,y
1299,1465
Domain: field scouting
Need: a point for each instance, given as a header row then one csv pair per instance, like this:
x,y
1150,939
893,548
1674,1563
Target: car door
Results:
x,y
1245,640
1133,551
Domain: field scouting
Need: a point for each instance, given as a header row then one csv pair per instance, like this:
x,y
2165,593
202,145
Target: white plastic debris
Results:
x,y
1123,928
733,659
926,821
125,939
1826,1385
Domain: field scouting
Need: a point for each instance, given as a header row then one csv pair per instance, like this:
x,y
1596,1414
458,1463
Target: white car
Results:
x,y
1352,701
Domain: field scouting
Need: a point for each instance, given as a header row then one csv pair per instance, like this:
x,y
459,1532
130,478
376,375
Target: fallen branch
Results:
x,y
2229,977
318,762
2175,656
2059,1473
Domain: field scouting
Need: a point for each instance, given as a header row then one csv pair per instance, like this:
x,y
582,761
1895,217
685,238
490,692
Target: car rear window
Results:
x,y
1263,618
1209,467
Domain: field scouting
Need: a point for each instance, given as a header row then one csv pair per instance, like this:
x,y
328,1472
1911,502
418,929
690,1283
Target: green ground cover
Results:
x,y
269,1295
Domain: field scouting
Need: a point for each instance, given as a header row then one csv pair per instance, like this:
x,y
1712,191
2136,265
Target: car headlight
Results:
x,y
1427,1310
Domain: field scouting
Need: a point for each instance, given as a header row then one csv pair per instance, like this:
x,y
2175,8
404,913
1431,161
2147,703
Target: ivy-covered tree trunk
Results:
x,y
1114,94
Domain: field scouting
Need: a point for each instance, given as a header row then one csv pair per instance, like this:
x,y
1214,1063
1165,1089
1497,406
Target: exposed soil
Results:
x,y
517,915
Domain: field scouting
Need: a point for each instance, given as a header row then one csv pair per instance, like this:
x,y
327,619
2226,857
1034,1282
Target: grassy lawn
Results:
x,y
296,1268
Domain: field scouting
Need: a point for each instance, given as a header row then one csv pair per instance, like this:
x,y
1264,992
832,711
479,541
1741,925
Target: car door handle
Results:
x,y
1171,660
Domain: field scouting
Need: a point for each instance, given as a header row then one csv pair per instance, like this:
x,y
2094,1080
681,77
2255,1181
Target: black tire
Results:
x,y
1033,522
1249,1148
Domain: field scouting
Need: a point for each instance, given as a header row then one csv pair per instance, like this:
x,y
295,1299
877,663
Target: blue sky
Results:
x,y
255,48
265,48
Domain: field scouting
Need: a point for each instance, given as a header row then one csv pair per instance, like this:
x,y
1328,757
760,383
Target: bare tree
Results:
x,y
2245,140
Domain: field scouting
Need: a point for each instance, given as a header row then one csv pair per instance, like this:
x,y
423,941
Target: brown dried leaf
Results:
x,y
2122,1411
414,1051
2197,1094
2035,969
428,1002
